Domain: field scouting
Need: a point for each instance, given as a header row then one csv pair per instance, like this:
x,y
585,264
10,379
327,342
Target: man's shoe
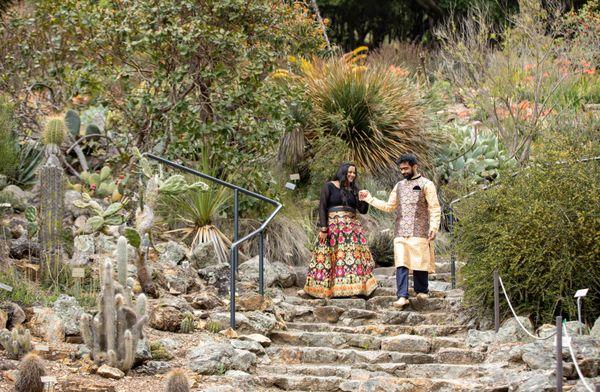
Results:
x,y
422,296
401,303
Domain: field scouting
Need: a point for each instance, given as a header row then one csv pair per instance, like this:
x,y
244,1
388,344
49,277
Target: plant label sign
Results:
x,y
290,185
48,379
6,287
40,347
581,293
78,272
295,177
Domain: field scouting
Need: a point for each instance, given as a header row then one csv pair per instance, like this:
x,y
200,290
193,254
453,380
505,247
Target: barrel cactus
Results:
x,y
55,132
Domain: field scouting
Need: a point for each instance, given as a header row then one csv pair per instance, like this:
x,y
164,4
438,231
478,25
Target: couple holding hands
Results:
x,y
342,265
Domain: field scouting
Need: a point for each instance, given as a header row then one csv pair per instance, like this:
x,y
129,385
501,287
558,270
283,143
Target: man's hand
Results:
x,y
362,195
431,236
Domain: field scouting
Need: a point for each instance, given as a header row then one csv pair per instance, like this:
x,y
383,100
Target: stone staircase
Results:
x,y
354,344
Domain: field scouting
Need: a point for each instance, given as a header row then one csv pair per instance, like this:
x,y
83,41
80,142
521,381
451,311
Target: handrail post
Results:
x,y
261,264
496,301
236,216
232,287
452,250
559,364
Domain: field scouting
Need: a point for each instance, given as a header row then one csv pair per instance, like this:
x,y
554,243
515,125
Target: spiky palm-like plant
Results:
x,y
377,111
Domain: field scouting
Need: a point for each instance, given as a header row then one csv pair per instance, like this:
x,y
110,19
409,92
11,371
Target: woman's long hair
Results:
x,y
342,177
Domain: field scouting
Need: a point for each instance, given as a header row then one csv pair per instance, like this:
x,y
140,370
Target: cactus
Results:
x,y
102,184
112,335
73,122
177,381
31,371
51,215
54,132
121,255
103,217
187,324
15,343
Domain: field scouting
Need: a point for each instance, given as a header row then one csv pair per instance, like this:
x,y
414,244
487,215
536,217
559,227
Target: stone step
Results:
x,y
375,303
292,382
391,352
399,342
441,270
440,283
381,329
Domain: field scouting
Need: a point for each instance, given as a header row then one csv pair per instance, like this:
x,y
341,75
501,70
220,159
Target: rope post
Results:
x,y
261,264
559,362
496,302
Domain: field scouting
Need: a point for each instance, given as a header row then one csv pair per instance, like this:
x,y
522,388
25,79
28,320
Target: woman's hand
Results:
x,y
322,236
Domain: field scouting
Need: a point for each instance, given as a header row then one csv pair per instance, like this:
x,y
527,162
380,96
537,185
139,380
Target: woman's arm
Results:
x,y
323,206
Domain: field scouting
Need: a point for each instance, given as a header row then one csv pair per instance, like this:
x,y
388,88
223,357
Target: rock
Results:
x,y
263,340
204,300
211,358
538,382
248,345
203,255
107,244
9,364
47,325
248,271
177,279
538,357
82,351
546,330
168,313
16,315
510,331
170,344
300,275
217,276
238,374
80,222
171,252
285,274
83,249
595,332
68,311
573,328
479,339
253,302
17,227
143,352
154,367
110,372
243,360
23,247
406,343
259,322
19,199
70,197
330,314
3,181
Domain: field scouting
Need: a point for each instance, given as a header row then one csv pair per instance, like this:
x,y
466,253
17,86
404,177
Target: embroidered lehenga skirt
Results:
x,y
342,265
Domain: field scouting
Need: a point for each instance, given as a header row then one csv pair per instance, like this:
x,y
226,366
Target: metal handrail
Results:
x,y
236,241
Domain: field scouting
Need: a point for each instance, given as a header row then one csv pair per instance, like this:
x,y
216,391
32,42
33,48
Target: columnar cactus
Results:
x,y
15,343
51,215
31,371
187,324
55,132
112,335
121,255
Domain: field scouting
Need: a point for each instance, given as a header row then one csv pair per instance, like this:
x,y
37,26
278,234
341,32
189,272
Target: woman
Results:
x,y
341,265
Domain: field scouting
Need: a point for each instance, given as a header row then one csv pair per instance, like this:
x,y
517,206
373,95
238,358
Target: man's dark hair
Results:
x,y
411,159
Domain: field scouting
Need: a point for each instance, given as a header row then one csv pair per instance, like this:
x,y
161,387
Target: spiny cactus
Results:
x,y
121,255
15,343
55,132
31,371
187,324
177,381
51,215
112,335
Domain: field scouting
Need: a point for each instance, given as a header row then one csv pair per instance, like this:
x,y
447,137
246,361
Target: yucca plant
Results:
x,y
198,211
377,112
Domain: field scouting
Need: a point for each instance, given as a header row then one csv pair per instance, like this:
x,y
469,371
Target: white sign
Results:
x,y
290,185
384,231
5,287
581,293
78,272
294,177
48,379
39,347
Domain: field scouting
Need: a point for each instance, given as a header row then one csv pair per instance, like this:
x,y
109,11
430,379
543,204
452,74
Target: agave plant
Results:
x,y
378,113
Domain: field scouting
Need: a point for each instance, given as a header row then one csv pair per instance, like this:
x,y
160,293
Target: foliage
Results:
x,y
30,157
9,158
378,114
539,229
159,352
16,343
381,245
102,217
102,184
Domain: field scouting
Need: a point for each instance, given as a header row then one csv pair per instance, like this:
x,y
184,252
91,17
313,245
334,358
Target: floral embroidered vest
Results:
x,y
412,212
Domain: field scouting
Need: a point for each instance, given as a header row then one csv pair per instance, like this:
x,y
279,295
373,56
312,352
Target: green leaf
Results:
x,y
94,224
112,209
133,237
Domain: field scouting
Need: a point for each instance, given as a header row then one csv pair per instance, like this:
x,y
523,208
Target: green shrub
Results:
x,y
9,154
540,230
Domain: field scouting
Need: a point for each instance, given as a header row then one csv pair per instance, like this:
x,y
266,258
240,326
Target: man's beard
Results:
x,y
408,175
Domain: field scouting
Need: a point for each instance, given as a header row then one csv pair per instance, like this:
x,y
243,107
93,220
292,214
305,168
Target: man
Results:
x,y
415,202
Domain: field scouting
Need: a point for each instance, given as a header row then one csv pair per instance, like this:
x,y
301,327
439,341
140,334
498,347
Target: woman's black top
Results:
x,y
332,196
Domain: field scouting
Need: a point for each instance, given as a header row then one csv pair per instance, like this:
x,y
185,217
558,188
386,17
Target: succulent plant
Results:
x,y
16,343
187,324
55,132
101,218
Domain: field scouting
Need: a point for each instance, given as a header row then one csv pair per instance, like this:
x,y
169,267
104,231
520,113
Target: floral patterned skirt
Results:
x,y
342,265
